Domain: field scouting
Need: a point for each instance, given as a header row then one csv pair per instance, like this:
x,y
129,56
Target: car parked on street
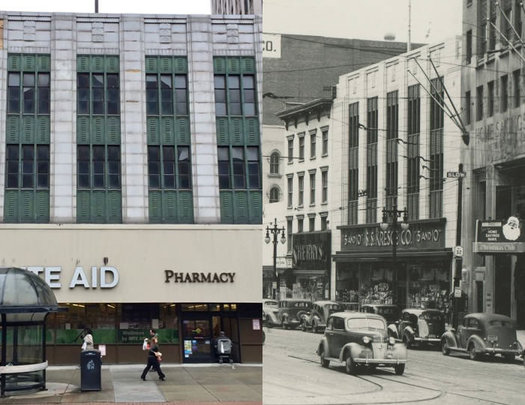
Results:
x,y
419,327
270,310
316,319
291,312
359,339
483,334
390,312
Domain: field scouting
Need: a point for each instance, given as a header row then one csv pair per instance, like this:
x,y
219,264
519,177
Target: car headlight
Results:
x,y
391,341
366,340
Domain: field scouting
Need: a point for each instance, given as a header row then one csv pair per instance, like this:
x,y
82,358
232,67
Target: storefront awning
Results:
x,y
381,256
313,273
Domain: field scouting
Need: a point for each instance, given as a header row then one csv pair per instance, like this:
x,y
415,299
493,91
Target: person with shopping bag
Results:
x,y
154,358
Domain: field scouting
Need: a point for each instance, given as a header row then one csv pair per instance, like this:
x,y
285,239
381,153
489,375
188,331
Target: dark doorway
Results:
x,y
197,339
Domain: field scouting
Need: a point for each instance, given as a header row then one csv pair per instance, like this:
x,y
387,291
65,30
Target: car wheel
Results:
x,y
444,347
407,341
472,352
350,365
399,369
324,363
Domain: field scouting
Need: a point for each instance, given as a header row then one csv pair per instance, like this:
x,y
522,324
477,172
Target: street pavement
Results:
x,y
184,385
292,375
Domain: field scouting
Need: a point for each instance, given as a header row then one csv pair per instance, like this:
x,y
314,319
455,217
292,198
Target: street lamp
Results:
x,y
275,230
394,214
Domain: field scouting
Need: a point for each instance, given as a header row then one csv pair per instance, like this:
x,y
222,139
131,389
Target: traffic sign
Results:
x,y
456,175
458,251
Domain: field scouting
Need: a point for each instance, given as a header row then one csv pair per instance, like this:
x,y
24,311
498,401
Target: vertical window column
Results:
x,y
27,133
413,157
371,160
238,140
353,163
392,111
436,150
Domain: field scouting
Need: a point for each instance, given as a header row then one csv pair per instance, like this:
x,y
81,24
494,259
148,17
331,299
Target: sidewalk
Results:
x,y
185,385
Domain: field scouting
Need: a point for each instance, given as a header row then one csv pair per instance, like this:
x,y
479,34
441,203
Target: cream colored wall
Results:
x,y
141,254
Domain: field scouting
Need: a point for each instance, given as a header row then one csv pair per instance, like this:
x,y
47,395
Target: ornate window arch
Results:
x,y
275,194
275,159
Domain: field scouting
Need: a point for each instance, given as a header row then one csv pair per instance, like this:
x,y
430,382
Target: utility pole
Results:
x,y
458,260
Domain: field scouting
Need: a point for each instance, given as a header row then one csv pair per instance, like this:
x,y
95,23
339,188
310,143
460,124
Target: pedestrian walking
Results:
x,y
154,357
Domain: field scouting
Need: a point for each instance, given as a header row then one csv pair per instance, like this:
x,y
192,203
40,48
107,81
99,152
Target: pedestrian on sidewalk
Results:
x,y
154,357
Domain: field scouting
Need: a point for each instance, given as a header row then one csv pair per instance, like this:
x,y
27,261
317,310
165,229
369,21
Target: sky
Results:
x,y
431,20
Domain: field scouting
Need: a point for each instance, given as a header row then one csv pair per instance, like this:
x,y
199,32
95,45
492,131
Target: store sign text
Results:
x,y
103,277
180,277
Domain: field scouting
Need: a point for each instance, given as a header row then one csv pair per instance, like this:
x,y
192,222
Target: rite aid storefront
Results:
x,y
365,266
188,282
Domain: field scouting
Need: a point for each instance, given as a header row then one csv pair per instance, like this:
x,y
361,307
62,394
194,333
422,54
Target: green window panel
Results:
x,y
227,211
28,130
251,131
83,133
13,128
180,65
14,62
44,63
223,134
112,130
248,65
28,63
42,129
219,65
170,207
241,207
97,64
236,131
153,128
152,65
26,206
83,63
167,131
182,131
255,204
234,65
112,64
99,206
97,130
166,64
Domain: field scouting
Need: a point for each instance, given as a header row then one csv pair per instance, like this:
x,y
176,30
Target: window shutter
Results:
x,y
236,131
165,65
42,130
114,207
97,130
112,64
83,63
234,66
14,62
42,206
166,131
28,63
185,207
26,206
83,130
183,131
113,130
83,206
97,64
155,207
219,65
98,207
251,131
151,64
226,207
181,65
12,128
169,207
223,137
255,207
248,65
152,124
44,63
28,129
11,206
241,208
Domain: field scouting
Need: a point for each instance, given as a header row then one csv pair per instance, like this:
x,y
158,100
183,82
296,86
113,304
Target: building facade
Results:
x,y
288,86
130,177
394,206
493,105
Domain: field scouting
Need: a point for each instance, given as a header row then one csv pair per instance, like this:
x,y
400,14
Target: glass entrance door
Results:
x,y
197,341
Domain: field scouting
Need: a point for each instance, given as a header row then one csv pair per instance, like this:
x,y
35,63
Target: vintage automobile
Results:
x,y
270,310
390,312
360,339
481,334
419,327
291,312
316,319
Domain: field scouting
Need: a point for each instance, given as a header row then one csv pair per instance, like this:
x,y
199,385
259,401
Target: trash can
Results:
x,y
90,375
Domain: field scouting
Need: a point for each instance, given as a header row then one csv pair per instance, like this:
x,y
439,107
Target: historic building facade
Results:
x,y
395,206
130,176
493,104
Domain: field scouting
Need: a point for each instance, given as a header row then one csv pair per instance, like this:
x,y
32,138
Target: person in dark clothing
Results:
x,y
153,360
